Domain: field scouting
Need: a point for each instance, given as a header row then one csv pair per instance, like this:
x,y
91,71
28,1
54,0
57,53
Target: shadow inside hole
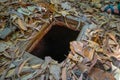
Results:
x,y
55,43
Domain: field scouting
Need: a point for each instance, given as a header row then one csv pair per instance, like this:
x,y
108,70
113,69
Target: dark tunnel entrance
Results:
x,y
55,43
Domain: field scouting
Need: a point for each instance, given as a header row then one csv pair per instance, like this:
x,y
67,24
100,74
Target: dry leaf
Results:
x,y
66,6
116,72
95,1
55,71
112,37
111,42
64,73
10,72
55,1
22,65
97,74
21,24
64,13
3,46
76,46
89,10
93,44
70,56
6,54
89,53
52,8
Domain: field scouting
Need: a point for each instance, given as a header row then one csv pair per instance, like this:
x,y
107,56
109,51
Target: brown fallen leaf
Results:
x,y
64,74
88,53
22,65
112,36
83,68
94,61
21,24
76,46
93,44
6,54
89,10
55,71
98,74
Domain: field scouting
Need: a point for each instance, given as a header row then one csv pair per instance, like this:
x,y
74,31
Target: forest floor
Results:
x,y
95,57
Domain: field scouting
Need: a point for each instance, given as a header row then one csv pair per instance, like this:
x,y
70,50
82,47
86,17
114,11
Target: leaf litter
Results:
x,y
95,57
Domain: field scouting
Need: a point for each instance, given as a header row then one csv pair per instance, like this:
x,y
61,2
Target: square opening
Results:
x,y
55,43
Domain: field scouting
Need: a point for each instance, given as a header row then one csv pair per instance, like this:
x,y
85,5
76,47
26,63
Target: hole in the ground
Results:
x,y
55,43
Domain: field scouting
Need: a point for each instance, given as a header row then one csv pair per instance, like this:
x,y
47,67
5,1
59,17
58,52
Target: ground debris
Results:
x,y
94,57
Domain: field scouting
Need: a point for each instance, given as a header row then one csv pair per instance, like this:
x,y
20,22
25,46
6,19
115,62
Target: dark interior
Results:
x,y
55,43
